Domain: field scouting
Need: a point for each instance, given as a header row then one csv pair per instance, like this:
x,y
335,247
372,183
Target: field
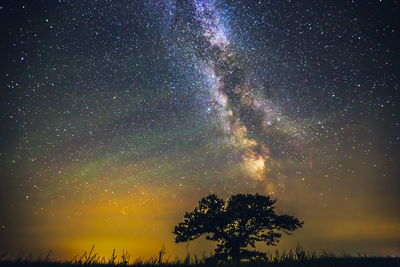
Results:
x,y
291,258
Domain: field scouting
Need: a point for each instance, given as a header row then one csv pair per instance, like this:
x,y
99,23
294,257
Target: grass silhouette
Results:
x,y
297,257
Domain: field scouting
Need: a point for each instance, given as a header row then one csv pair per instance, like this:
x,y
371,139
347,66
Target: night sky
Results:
x,y
118,116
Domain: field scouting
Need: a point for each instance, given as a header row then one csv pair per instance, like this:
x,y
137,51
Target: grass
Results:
x,y
292,258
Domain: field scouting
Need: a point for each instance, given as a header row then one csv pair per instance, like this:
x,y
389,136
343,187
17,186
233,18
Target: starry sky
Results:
x,y
118,116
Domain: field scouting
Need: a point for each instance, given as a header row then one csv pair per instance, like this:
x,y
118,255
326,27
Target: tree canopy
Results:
x,y
236,225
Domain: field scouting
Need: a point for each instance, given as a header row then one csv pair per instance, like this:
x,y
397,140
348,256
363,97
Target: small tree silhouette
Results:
x,y
236,225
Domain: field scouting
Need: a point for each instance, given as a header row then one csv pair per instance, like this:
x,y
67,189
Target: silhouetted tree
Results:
x,y
236,225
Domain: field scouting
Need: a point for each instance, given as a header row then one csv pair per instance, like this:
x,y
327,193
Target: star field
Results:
x,y
117,116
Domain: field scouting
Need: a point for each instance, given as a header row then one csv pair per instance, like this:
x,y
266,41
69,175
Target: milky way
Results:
x,y
251,122
118,116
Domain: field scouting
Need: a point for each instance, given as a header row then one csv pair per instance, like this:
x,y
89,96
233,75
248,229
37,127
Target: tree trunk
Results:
x,y
236,254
